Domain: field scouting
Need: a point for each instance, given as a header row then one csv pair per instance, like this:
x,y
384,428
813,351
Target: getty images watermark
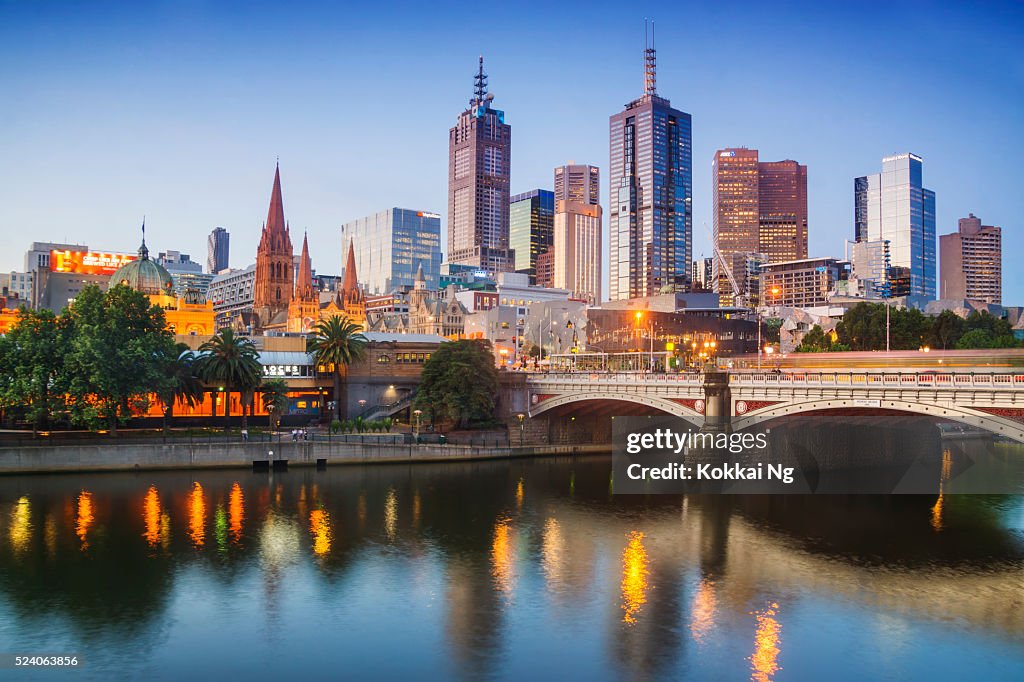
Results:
x,y
802,455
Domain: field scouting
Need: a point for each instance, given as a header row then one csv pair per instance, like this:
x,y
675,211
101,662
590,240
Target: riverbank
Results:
x,y
89,457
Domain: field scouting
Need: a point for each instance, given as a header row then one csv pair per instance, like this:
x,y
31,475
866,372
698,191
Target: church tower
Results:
x,y
272,291
305,306
350,300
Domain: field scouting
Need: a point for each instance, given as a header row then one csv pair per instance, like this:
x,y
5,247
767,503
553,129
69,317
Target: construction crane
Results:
x,y
737,298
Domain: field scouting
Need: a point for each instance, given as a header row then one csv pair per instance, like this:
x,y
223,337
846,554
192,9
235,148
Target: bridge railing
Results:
x,y
859,379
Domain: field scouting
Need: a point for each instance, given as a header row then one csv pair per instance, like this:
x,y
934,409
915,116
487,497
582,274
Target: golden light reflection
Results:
x,y
21,524
944,475
416,509
50,535
391,514
197,515
634,577
165,531
320,528
151,516
502,556
519,494
553,553
937,512
85,518
765,660
702,615
236,512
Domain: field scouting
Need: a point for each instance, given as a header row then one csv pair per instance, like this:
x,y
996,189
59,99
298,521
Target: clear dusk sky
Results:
x,y
178,110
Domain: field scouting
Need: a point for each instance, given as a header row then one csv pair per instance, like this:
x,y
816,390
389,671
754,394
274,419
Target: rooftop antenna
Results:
x,y
650,62
480,82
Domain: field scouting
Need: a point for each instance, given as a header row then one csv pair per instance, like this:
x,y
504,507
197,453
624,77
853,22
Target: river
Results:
x,y
528,569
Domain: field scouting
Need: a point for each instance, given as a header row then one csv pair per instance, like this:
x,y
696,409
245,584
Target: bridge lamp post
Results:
x,y
522,427
416,428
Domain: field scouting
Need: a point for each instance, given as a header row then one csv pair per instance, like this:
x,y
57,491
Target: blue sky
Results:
x,y
178,110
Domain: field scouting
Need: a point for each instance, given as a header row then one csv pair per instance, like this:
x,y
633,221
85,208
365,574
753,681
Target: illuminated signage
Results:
x,y
88,262
423,214
283,371
725,154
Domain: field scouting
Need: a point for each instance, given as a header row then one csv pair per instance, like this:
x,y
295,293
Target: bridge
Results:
x,y
990,398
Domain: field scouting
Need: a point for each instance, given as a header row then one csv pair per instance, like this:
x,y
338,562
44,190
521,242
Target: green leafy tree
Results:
x,y
232,363
31,366
116,346
180,382
947,328
275,395
815,341
975,338
459,383
336,344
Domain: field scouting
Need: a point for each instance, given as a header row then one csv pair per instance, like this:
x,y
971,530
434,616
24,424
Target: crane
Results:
x,y
737,297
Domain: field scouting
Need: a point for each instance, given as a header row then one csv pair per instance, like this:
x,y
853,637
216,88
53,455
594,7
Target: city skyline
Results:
x,y
145,156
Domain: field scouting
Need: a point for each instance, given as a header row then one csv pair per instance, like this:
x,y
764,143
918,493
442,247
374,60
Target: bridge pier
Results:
x,y
717,402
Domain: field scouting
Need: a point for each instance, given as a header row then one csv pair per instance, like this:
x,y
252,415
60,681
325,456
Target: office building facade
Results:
x,y
578,182
651,185
803,283
894,205
217,248
971,262
702,274
576,253
479,168
531,228
390,245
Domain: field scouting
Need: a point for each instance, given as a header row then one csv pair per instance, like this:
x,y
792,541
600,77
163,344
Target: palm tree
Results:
x,y
232,363
181,382
337,344
275,396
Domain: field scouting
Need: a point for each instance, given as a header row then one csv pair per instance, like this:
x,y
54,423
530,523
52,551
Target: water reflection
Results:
x,y
197,516
502,556
634,577
151,516
236,512
765,660
320,529
85,518
21,524
553,554
702,614
391,514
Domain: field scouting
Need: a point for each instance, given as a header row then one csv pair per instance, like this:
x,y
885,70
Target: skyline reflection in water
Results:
x,y
454,569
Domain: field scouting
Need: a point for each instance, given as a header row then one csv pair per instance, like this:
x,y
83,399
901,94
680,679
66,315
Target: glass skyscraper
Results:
x,y
390,245
893,205
531,220
651,194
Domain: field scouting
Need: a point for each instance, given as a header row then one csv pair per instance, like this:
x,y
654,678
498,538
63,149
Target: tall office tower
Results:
x,y
576,253
651,180
391,245
578,182
479,166
702,274
893,205
760,208
971,262
272,290
531,219
782,210
217,250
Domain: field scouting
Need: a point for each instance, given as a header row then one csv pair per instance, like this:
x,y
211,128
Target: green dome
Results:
x,y
144,275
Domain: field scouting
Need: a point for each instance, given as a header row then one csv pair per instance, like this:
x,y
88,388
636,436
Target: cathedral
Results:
x,y
275,281
349,300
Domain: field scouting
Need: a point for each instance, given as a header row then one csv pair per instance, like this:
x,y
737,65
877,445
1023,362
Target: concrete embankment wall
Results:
x,y
113,457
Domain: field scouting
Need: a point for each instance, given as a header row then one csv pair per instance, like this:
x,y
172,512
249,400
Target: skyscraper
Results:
x,y
578,182
272,290
391,244
971,261
893,205
576,252
531,221
651,181
217,250
760,208
479,166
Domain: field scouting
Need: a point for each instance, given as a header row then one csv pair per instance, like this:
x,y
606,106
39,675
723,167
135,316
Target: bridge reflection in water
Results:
x,y
501,568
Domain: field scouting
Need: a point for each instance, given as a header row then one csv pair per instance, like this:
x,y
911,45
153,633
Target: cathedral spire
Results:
x,y
351,281
304,280
275,216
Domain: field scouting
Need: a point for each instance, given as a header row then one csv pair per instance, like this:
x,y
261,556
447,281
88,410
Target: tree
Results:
x,y
815,341
947,328
863,327
116,344
180,382
232,363
275,396
337,343
459,383
31,365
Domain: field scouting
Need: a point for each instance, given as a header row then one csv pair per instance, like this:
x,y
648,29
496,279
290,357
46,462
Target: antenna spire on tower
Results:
x,y
650,62
480,82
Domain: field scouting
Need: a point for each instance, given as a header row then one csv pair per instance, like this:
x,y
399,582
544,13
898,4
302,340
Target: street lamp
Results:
x,y
417,414
522,427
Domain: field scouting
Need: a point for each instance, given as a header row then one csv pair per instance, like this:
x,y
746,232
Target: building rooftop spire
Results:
x,y
143,249
275,216
304,280
480,83
351,281
650,62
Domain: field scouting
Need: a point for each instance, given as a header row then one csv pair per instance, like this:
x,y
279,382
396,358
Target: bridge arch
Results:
x,y
661,404
1003,426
